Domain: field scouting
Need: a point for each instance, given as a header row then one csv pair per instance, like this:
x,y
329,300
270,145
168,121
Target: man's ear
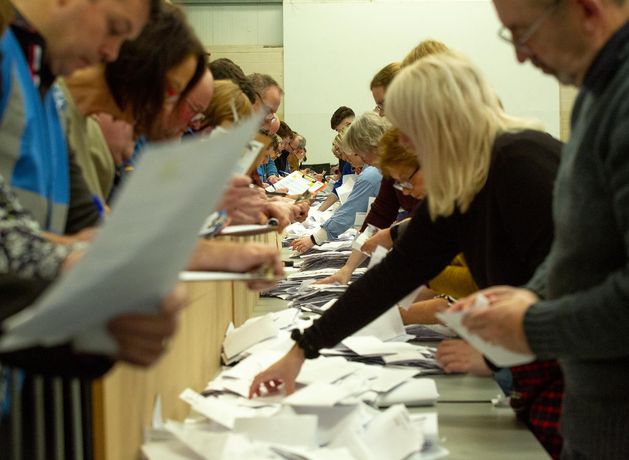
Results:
x,y
590,14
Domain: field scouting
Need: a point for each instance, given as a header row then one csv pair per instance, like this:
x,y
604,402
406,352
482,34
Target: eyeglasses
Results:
x,y
407,184
520,43
379,108
198,116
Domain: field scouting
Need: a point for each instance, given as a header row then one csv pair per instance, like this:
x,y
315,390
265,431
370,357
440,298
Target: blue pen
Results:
x,y
99,206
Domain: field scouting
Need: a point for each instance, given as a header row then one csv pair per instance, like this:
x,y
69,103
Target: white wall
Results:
x,y
332,49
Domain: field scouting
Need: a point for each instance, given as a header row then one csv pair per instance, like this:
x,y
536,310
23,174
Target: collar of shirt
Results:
x,y
34,48
608,61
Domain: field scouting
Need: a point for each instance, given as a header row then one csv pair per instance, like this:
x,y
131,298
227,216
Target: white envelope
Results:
x,y
392,435
317,395
248,335
325,370
390,378
413,392
372,346
297,430
387,326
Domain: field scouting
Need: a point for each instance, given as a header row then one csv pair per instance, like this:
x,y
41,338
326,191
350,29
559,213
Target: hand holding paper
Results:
x,y
503,322
491,328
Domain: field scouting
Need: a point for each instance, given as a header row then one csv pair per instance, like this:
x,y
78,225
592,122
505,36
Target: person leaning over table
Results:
x,y
576,306
369,128
243,204
489,188
385,208
454,282
130,93
29,260
345,168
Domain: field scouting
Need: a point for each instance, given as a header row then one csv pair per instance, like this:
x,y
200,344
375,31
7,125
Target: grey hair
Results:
x,y
261,82
302,141
364,134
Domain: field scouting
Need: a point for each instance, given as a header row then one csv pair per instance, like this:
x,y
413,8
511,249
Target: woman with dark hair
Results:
x,y
152,71
150,76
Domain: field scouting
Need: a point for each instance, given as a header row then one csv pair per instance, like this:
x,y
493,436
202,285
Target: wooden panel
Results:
x,y
123,400
245,299
127,393
567,95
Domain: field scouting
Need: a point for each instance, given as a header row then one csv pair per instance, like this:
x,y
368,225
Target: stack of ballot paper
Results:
x,y
228,429
331,415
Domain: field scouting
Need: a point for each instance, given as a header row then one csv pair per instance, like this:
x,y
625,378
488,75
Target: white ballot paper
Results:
x,y
297,183
295,430
346,188
387,326
498,354
136,257
251,332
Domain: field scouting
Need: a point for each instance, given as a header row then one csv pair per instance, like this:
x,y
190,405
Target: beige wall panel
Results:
x,y
124,399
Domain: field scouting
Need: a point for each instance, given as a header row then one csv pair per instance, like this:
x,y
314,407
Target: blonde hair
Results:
x,y
392,154
385,76
452,116
365,132
425,48
227,98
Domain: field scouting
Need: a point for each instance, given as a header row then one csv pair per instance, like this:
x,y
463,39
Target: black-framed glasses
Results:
x,y
520,43
407,184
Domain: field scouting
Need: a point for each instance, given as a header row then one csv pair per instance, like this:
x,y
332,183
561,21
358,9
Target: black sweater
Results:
x,y
504,235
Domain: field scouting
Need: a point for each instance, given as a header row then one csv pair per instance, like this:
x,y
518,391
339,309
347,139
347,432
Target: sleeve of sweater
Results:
x,y
82,212
422,252
592,323
271,169
384,209
366,186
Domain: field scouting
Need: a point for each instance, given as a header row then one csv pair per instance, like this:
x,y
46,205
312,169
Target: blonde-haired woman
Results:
x,y
489,180
228,105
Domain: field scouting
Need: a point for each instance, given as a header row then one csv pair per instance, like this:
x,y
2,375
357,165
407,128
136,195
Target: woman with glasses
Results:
x,y
367,184
489,181
385,210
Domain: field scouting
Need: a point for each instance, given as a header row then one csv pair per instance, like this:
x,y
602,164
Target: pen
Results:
x,y
99,206
275,193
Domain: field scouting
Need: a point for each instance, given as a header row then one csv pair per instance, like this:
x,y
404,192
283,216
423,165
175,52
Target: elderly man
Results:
x,y
576,307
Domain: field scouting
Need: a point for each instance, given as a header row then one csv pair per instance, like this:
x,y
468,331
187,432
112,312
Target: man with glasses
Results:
x,y
269,96
576,307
